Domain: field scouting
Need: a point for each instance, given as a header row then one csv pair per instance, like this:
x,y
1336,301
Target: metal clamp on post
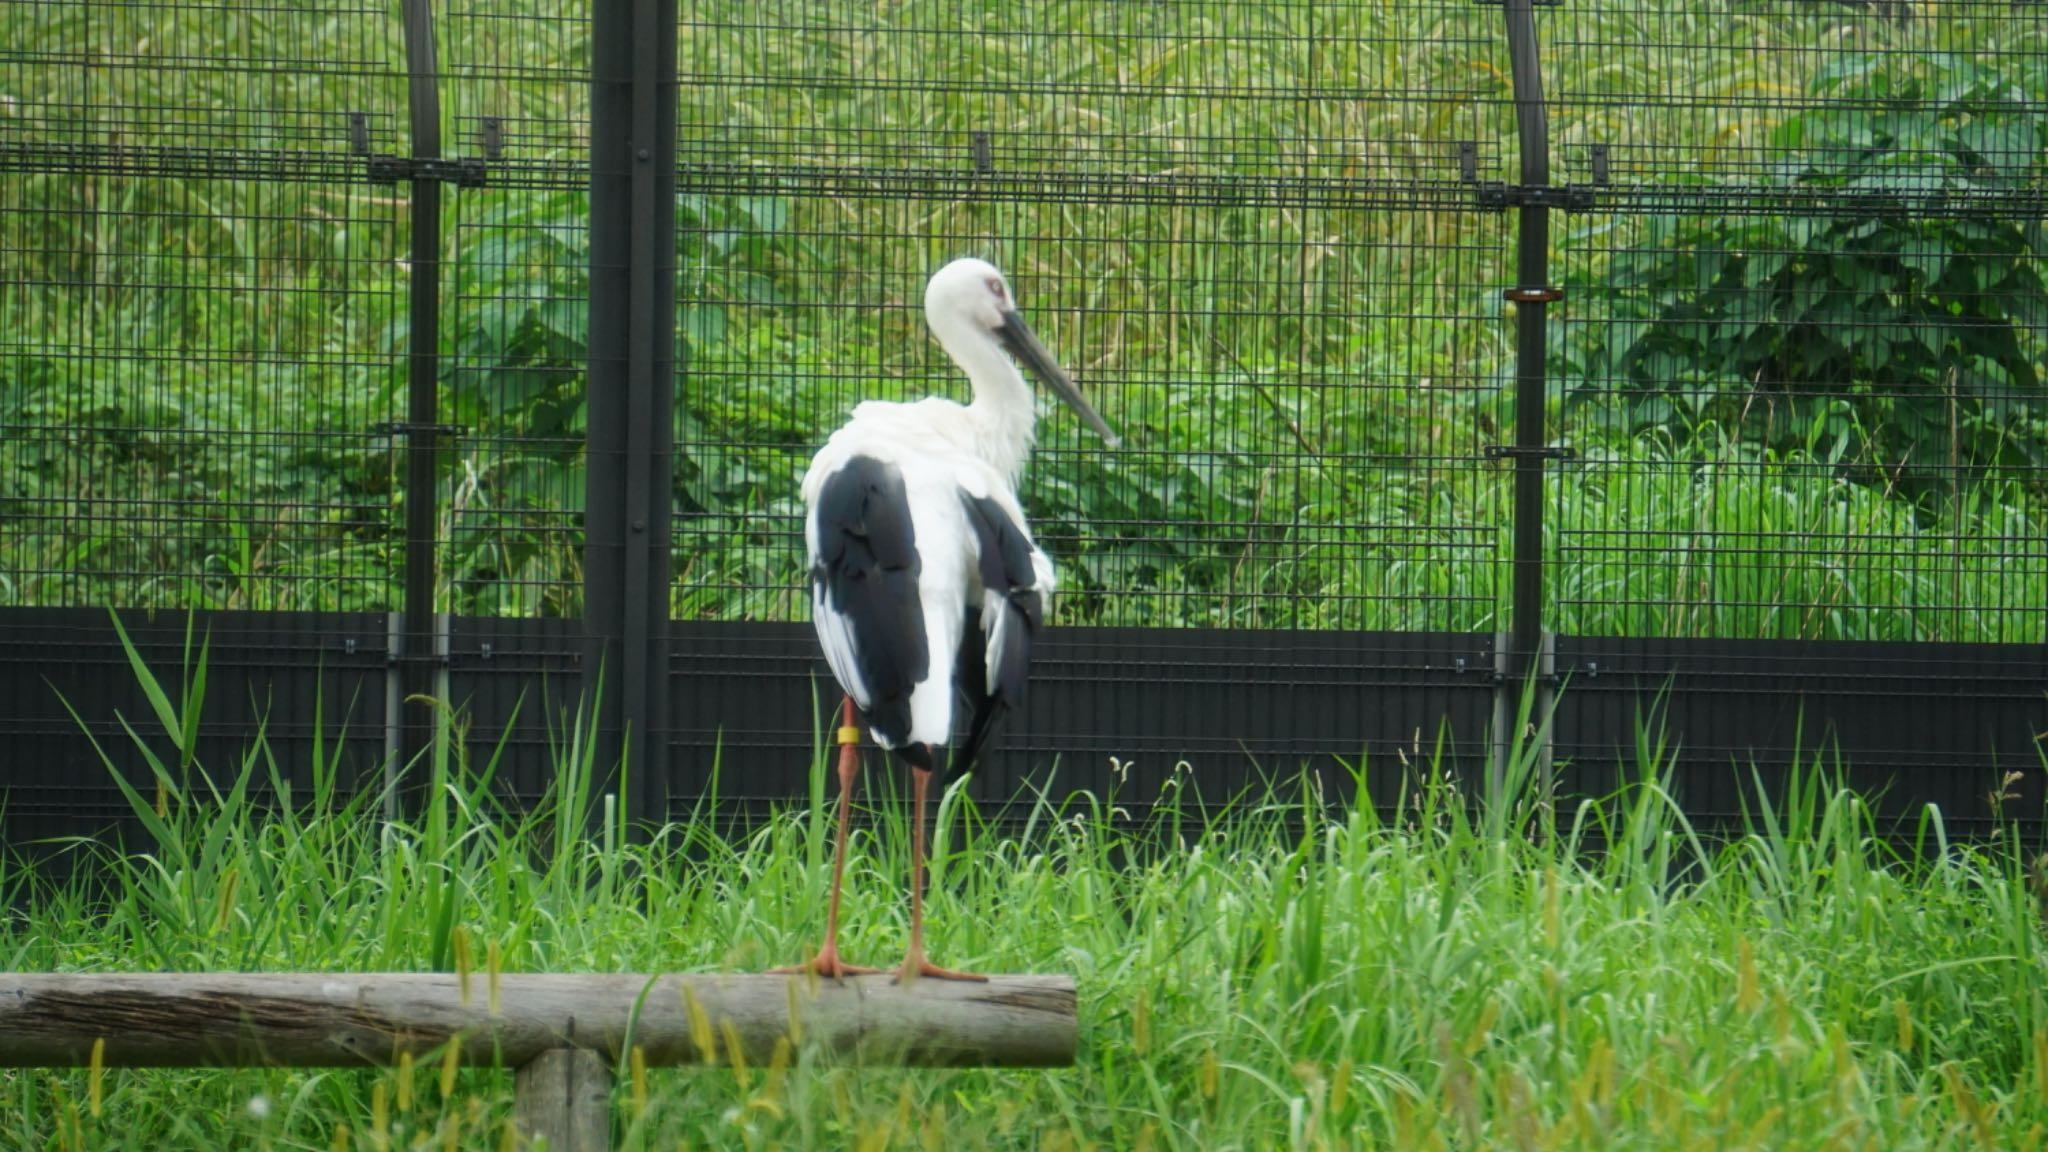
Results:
x,y
1571,197
396,428
466,172
1518,452
384,168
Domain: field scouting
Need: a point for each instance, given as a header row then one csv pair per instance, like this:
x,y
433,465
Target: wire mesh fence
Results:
x,y
1750,104
259,89
1800,361
1798,364
1300,450
1047,92
1245,228
1803,347
203,307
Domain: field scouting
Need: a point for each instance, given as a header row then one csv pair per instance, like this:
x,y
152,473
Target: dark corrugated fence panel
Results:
x,y
1913,723
291,673
519,681
1910,723
1222,701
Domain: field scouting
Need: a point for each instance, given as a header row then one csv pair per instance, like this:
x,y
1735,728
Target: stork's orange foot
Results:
x,y
918,968
826,964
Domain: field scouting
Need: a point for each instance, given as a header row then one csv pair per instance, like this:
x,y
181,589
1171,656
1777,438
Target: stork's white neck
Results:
x,y
1002,411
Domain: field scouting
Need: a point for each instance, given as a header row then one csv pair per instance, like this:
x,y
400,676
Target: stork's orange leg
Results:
x,y
827,961
914,964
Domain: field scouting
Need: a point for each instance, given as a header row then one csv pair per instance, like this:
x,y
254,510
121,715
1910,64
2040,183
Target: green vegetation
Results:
x,y
1297,974
1240,225
1897,332
1294,317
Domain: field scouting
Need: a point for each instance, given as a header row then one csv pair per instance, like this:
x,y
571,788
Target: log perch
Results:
x,y
305,1020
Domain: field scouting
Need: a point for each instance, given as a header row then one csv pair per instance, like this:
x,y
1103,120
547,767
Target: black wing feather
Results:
x,y
1006,572
867,570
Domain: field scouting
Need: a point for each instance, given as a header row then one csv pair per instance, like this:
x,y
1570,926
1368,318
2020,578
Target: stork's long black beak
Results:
x,y
1024,344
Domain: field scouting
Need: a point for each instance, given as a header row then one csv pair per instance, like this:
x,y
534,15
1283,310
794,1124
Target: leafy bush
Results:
x,y
518,377
1892,319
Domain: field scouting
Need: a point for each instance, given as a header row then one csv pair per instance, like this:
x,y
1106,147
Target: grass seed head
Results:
x,y
96,1076
1747,998
451,1062
380,1117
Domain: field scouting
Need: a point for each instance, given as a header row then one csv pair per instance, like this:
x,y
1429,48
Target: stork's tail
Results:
x,y
986,712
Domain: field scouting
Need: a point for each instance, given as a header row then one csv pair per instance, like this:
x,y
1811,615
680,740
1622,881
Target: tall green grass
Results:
x,y
1413,971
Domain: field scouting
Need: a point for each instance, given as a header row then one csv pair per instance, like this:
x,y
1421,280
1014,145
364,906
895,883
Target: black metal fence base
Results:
x,y
1905,724
1126,712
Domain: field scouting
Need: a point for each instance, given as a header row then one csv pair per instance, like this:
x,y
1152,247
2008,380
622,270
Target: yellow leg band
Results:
x,y
848,734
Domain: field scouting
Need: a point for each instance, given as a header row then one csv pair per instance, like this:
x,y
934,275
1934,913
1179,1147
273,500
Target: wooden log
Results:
x,y
307,1020
563,1101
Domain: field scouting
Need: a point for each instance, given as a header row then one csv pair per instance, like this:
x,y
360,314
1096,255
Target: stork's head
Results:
x,y
971,294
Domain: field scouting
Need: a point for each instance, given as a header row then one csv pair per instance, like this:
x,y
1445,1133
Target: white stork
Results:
x,y
925,582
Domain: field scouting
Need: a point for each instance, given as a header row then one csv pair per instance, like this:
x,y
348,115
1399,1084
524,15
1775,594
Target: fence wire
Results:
x,y
516,95
201,320
1249,230
1800,360
1802,354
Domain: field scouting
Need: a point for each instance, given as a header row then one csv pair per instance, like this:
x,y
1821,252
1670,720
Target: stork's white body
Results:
x,y
926,581
943,451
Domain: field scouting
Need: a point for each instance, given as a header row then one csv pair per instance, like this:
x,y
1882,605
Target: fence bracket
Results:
x,y
1570,197
466,172
1523,452
396,428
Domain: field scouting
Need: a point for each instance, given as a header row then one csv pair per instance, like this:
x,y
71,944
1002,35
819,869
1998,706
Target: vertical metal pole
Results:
x,y
1504,689
394,710
1531,295
422,442
656,91
611,245
627,521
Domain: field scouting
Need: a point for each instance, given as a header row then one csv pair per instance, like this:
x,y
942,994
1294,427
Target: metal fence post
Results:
x,y
418,645
631,424
1531,296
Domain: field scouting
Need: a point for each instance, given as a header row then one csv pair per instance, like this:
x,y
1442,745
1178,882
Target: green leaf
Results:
x,y
1761,266
703,325
568,320
2007,146
1623,338
1929,265
152,688
769,214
